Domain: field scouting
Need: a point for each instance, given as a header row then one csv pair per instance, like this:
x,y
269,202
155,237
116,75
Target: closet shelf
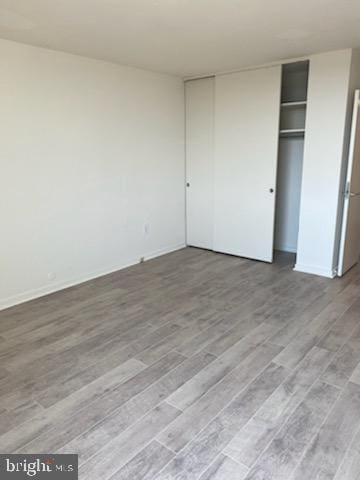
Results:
x,y
293,104
295,132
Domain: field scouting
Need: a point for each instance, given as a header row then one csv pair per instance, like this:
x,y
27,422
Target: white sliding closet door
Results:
x,y
199,96
247,109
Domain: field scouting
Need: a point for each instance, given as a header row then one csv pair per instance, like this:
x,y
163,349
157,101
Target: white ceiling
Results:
x,y
184,37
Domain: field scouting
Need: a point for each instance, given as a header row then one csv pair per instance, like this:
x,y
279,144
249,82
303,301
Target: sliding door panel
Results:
x,y
199,96
247,108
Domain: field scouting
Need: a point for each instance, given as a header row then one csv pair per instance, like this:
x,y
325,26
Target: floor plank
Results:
x,y
146,464
224,468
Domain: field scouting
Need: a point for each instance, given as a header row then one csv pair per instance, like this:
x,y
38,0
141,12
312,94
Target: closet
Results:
x,y
290,158
244,160
266,153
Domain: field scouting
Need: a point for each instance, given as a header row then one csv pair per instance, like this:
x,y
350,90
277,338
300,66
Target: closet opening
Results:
x,y
290,159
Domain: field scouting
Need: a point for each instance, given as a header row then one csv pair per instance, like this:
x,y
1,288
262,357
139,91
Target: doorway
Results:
x,y
290,158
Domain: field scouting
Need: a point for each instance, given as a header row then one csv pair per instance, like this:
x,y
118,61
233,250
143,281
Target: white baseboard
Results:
x,y
314,270
164,251
47,289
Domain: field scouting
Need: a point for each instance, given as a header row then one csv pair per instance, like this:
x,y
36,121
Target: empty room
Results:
x,y
179,240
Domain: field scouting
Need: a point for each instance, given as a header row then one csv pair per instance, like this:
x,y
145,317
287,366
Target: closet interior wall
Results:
x,y
291,151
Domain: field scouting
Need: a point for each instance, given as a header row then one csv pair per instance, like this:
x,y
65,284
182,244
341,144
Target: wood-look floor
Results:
x,y
192,366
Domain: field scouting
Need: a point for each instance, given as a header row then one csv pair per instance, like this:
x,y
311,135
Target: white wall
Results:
x,y
90,153
323,160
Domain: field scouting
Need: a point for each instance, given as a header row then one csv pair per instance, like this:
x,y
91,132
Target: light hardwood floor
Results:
x,y
194,365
